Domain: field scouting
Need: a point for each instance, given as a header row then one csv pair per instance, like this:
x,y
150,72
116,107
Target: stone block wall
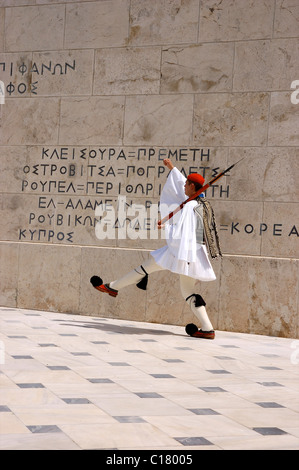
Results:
x,y
93,96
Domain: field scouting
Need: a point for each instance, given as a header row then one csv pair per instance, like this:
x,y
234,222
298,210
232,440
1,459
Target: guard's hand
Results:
x,y
167,162
159,225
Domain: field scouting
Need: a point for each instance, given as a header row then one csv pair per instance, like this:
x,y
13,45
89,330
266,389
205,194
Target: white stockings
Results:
x,y
187,285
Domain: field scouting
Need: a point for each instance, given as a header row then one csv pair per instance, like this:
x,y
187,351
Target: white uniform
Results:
x,y
182,254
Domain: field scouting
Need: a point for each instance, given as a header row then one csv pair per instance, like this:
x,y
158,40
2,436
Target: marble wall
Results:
x,y
93,96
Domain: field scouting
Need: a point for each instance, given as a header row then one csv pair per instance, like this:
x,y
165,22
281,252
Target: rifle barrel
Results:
x,y
206,186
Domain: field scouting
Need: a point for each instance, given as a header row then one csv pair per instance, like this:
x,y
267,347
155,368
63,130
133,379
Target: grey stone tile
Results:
x,y
270,384
100,381
269,404
270,355
162,376
119,364
58,368
76,401
30,385
269,431
17,337
44,429
149,395
225,358
67,334
173,360
212,389
193,441
4,409
204,411
129,419
81,353
218,371
270,368
22,357
134,351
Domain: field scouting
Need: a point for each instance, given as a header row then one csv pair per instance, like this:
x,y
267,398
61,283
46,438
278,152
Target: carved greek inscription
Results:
x,y
72,184
22,77
276,229
79,188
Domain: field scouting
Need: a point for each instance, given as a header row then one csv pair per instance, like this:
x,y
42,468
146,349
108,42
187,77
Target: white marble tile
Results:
x,y
230,393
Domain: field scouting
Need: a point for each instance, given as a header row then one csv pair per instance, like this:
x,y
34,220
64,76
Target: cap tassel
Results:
x,y
143,283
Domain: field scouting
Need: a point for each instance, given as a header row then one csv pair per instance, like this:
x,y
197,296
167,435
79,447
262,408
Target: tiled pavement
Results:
x,y
78,382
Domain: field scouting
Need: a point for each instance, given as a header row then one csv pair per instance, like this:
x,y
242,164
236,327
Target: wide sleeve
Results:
x,y
173,193
181,236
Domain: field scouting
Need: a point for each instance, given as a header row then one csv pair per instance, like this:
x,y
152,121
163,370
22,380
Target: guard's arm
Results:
x,y
167,162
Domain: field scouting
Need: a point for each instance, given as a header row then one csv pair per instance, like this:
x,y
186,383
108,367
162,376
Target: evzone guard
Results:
x,y
191,233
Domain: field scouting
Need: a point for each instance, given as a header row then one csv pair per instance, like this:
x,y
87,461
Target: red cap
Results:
x,y
196,178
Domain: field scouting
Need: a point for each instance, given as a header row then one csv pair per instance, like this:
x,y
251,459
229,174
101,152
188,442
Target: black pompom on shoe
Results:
x,y
191,329
96,281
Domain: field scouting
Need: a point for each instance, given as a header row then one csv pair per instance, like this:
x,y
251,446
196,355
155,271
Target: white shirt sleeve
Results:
x,y
180,231
181,236
173,193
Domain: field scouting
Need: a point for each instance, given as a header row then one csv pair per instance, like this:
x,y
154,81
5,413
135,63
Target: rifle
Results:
x,y
194,196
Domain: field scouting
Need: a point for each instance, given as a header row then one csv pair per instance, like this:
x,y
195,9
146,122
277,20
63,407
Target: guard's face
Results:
x,y
189,188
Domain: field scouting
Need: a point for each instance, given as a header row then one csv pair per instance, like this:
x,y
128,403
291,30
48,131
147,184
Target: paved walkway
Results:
x,y
77,382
